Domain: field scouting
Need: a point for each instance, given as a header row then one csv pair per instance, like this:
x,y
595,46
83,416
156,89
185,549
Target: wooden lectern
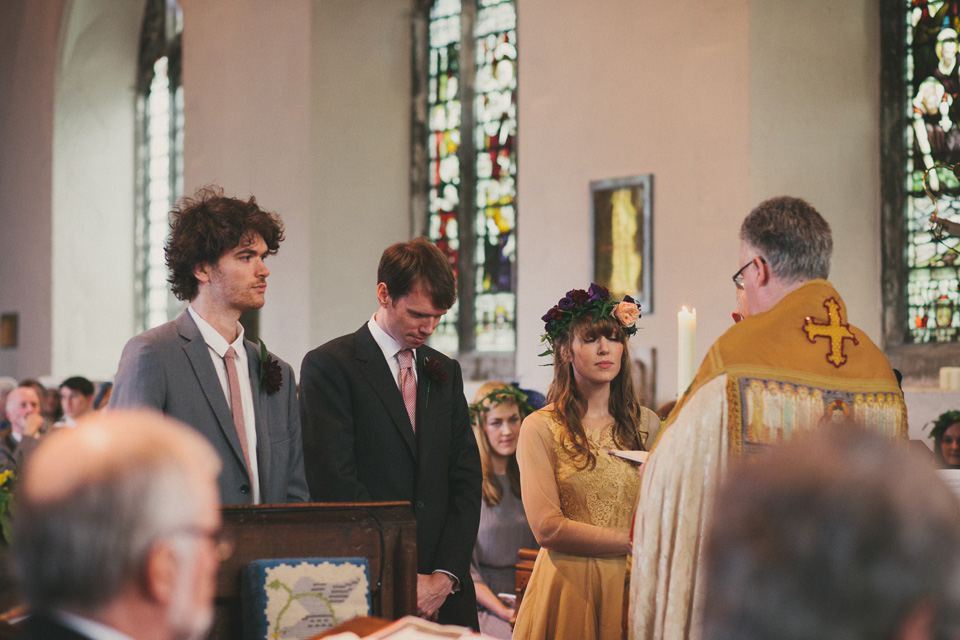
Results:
x,y
384,533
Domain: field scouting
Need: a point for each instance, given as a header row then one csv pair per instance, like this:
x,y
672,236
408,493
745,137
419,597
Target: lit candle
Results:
x,y
686,330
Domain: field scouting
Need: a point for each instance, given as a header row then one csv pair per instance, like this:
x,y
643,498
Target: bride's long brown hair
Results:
x,y
569,405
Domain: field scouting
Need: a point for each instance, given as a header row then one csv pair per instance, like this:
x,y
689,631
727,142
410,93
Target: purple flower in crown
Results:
x,y
579,296
565,304
597,292
551,315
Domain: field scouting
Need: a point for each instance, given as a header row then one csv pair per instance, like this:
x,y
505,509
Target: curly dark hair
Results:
x,y
207,225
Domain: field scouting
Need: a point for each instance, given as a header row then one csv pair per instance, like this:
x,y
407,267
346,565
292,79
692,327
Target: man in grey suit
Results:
x,y
200,369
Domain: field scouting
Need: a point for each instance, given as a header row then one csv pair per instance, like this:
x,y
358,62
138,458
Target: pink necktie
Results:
x,y
236,403
408,385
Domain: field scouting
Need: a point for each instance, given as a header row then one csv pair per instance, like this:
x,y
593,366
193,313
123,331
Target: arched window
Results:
x,y
465,168
159,179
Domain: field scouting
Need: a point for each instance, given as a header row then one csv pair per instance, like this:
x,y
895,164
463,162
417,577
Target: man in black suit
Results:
x,y
116,531
384,418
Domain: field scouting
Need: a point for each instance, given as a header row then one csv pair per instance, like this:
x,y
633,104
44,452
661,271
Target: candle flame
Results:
x,y
684,308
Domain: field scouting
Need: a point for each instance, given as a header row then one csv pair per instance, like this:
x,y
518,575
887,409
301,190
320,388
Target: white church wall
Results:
x,y
620,88
360,143
246,78
29,32
93,190
814,118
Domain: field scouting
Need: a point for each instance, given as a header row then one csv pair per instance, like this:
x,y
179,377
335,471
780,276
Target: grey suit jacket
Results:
x,y
168,368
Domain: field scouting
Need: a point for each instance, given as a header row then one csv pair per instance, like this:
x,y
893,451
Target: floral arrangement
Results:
x,y
8,480
596,301
498,396
271,375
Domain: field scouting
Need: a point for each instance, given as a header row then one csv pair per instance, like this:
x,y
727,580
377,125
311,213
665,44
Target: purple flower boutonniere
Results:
x,y
434,371
271,375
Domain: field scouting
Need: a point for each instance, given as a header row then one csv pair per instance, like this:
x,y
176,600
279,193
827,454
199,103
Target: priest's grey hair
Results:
x,y
792,236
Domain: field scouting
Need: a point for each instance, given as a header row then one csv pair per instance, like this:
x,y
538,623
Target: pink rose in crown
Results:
x,y
627,312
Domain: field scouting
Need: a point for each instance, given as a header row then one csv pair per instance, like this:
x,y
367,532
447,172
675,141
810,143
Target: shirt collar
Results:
x,y
213,338
385,341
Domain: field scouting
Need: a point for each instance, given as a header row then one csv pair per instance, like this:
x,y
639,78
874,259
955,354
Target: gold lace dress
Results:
x,y
579,517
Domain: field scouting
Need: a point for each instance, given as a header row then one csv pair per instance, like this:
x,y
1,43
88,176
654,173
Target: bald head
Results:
x,y
22,402
93,502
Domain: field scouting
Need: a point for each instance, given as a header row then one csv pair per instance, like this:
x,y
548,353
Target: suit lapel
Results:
x,y
260,411
375,369
198,354
428,399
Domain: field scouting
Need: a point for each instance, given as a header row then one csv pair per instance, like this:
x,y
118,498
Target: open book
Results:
x,y
637,457
412,628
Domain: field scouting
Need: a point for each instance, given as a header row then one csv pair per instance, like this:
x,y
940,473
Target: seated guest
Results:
x,y
26,425
116,530
838,535
7,385
76,398
946,440
496,413
41,392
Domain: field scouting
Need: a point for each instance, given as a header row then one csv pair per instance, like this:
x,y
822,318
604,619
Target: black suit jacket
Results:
x,y
358,445
42,627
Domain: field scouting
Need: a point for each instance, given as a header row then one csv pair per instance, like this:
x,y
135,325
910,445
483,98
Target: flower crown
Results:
x,y
944,420
498,396
597,301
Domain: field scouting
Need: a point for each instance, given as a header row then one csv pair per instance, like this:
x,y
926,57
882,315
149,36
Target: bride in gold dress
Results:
x,y
579,499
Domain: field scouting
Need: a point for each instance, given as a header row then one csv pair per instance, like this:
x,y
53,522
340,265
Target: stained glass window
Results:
x,y
472,167
159,155
932,130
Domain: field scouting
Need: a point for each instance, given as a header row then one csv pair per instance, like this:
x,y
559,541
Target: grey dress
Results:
x,y
503,530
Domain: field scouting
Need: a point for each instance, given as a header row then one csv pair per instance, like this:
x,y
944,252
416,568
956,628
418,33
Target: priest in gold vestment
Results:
x,y
794,363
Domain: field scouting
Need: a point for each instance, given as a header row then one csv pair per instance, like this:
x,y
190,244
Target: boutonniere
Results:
x,y
271,375
434,372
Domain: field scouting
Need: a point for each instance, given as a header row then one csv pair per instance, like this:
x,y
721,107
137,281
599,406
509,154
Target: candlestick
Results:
x,y
686,332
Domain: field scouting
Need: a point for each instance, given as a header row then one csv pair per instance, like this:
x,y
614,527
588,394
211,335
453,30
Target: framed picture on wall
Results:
x,y
622,211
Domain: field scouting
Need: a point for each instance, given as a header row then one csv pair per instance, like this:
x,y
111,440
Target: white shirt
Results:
x,y
217,347
87,627
390,348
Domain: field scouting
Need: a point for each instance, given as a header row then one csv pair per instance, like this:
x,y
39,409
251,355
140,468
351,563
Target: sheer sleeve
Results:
x,y
541,499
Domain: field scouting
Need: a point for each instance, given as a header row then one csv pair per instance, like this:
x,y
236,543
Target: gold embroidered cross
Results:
x,y
835,329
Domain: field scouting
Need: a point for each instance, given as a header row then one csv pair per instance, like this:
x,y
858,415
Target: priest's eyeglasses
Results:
x,y
738,276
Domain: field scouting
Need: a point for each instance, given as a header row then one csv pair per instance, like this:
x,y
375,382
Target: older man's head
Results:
x,y
23,408
117,522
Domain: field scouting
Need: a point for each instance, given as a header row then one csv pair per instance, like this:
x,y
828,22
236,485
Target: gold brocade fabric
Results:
x,y
574,596
797,367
